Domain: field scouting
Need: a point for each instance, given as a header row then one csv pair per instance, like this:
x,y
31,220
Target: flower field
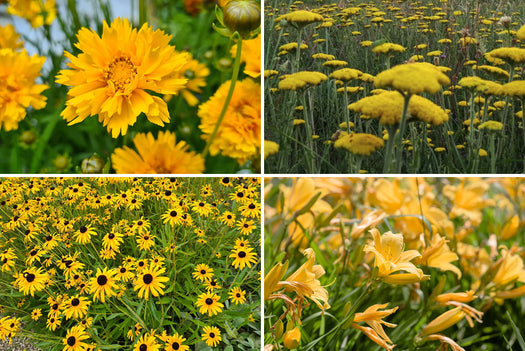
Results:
x,y
394,86
143,264
395,264
106,94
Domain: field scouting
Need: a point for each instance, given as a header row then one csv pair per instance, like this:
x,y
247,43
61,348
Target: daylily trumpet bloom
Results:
x,y
390,257
374,318
439,255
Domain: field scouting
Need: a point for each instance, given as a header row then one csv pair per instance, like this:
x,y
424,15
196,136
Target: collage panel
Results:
x,y
407,263
130,87
141,264
394,87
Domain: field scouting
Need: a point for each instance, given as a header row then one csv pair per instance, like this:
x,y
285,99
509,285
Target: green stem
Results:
x,y
298,51
492,154
387,166
142,12
309,142
399,136
235,75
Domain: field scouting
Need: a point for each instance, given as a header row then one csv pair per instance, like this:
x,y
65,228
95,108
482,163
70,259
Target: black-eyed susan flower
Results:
x,y
203,272
211,335
76,307
84,233
146,342
112,76
112,240
162,156
103,284
124,274
36,314
251,209
52,323
211,285
237,295
20,71
175,343
149,281
74,339
208,303
239,135
243,257
31,280
246,226
145,241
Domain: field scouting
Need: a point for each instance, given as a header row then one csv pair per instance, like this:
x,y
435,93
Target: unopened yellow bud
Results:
x,y
242,16
292,338
278,330
444,321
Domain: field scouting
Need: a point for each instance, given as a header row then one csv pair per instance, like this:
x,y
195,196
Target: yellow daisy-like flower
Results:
x,y
387,48
37,12
162,155
196,74
359,143
251,55
521,33
9,38
18,91
150,280
512,55
237,295
239,135
209,303
112,75
74,339
301,17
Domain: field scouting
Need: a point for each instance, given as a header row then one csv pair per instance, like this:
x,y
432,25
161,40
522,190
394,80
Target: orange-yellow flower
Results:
x,y
37,12
239,135
374,318
18,91
305,281
444,321
113,74
162,156
196,74
439,255
390,257
9,38
251,55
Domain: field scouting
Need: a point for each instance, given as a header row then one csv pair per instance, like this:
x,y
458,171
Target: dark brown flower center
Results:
x,y
102,280
175,345
241,254
83,229
143,347
212,335
30,277
75,302
71,341
173,213
209,301
147,278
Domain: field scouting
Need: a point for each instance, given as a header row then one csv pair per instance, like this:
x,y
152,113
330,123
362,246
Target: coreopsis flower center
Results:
x,y
75,302
71,340
209,301
120,72
147,278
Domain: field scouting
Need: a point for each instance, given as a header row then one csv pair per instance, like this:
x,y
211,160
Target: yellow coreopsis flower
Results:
x,y
239,135
251,55
390,257
196,74
112,75
305,281
9,38
439,255
162,156
18,91
37,12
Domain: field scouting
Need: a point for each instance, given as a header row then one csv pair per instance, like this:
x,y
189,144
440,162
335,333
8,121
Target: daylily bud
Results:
x,y
292,338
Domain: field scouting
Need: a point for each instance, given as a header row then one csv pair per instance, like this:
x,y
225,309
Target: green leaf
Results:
x,y
517,331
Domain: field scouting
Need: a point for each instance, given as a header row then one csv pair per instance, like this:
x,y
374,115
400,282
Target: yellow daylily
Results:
x,y
374,318
390,257
439,255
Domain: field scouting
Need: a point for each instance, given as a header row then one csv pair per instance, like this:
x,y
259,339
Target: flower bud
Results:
x,y
292,338
93,164
61,162
242,16
278,330
28,137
